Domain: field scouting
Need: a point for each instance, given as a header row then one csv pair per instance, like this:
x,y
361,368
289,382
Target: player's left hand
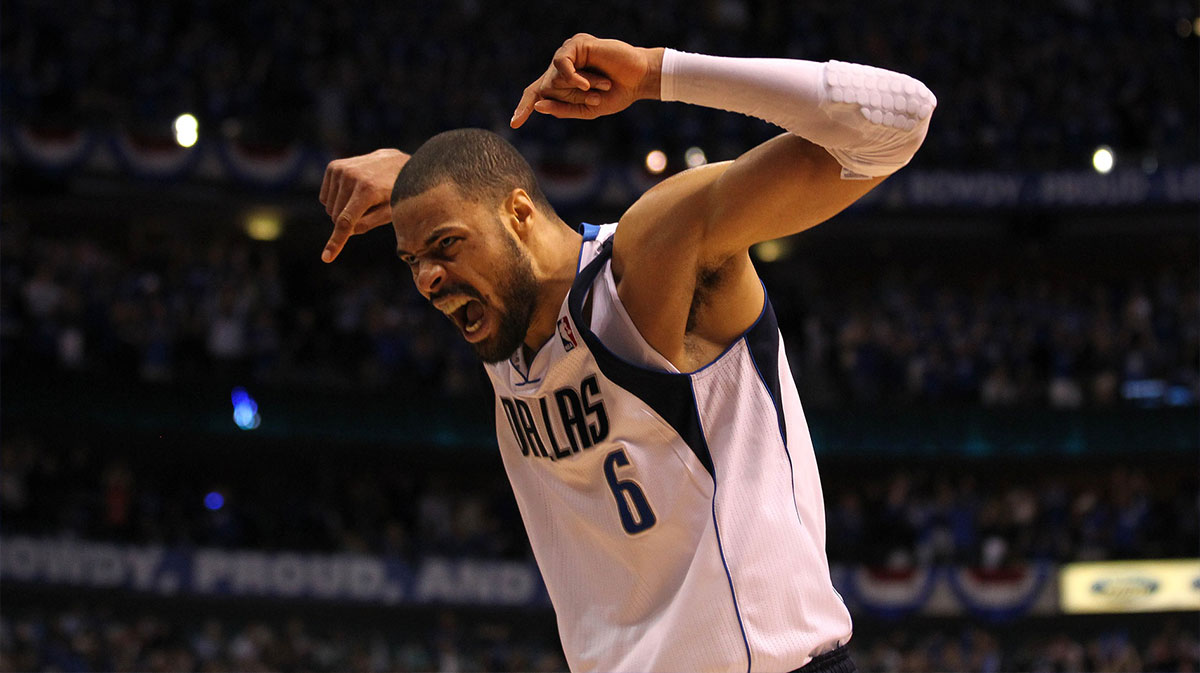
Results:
x,y
356,192
590,77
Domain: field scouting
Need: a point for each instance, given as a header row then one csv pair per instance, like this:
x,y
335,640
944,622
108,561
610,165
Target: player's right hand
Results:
x,y
591,77
356,193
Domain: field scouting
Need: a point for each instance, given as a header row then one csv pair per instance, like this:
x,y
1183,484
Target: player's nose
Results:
x,y
430,277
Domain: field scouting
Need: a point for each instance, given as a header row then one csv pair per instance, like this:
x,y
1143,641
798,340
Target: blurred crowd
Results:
x,y
166,305
390,509
84,640
1025,85
1175,647
919,516
1011,326
910,516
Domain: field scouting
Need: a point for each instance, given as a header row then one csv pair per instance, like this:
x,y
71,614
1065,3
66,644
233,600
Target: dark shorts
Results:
x,y
833,661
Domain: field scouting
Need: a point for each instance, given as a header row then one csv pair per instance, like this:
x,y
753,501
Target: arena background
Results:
x,y
219,453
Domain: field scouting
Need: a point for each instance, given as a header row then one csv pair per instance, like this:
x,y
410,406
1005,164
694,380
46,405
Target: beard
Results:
x,y
518,290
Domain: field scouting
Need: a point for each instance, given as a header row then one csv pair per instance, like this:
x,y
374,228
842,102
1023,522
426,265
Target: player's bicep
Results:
x,y
669,219
656,255
781,187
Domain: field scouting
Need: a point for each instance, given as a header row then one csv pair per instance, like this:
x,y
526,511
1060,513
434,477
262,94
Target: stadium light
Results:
x,y
1103,159
214,501
245,410
773,250
656,161
694,156
187,130
263,225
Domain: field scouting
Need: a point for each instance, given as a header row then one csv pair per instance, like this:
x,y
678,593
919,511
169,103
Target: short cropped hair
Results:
x,y
484,167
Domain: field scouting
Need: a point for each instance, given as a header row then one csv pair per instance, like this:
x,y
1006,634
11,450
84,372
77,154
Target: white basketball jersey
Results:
x,y
676,518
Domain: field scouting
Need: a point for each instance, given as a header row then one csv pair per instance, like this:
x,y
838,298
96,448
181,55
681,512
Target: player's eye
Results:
x,y
448,241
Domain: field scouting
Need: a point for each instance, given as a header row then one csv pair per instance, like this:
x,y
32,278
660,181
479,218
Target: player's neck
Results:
x,y
556,257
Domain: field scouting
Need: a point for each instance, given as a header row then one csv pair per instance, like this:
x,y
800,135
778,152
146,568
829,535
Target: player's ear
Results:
x,y
518,211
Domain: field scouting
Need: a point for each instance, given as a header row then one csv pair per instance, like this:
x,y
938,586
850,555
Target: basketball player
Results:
x,y
645,410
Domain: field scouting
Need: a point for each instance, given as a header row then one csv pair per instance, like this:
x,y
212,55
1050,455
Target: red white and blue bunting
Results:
x,y
996,596
889,594
49,150
297,166
274,168
156,159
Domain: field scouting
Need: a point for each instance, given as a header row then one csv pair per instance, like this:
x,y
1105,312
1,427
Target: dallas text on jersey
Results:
x,y
582,420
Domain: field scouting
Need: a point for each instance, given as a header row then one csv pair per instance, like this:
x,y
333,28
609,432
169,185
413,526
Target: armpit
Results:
x,y
708,281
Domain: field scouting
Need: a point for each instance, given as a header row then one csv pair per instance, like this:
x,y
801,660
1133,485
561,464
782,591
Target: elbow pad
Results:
x,y
870,119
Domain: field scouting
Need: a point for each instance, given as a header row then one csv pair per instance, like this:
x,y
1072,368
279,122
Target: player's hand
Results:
x,y
356,193
590,77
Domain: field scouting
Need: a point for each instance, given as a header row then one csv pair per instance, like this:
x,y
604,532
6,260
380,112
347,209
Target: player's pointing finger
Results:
x,y
524,107
341,233
346,223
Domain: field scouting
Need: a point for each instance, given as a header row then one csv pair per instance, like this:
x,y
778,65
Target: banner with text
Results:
x,y
287,575
376,580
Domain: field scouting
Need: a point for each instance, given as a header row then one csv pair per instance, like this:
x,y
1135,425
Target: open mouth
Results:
x,y
467,313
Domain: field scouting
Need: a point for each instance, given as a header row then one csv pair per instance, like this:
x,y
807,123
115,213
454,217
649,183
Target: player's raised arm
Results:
x,y
861,124
356,192
849,127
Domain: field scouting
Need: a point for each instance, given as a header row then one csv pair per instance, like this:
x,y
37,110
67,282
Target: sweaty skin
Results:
x,y
681,253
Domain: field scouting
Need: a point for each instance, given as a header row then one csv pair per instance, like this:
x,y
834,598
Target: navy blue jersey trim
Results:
x,y
589,232
525,380
762,339
669,395
524,377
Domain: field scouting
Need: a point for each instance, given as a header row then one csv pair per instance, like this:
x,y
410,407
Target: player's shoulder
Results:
x,y
667,219
672,200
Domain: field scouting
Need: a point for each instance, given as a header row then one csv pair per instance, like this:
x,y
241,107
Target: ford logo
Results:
x,y
1124,588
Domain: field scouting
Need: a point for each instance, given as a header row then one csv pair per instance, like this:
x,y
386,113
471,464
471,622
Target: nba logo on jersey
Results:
x,y
567,336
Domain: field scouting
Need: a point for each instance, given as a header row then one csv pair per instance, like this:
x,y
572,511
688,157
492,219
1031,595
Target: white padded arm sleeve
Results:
x,y
870,119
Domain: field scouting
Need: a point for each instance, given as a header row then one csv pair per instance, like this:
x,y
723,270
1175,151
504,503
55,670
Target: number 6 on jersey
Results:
x,y
628,494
